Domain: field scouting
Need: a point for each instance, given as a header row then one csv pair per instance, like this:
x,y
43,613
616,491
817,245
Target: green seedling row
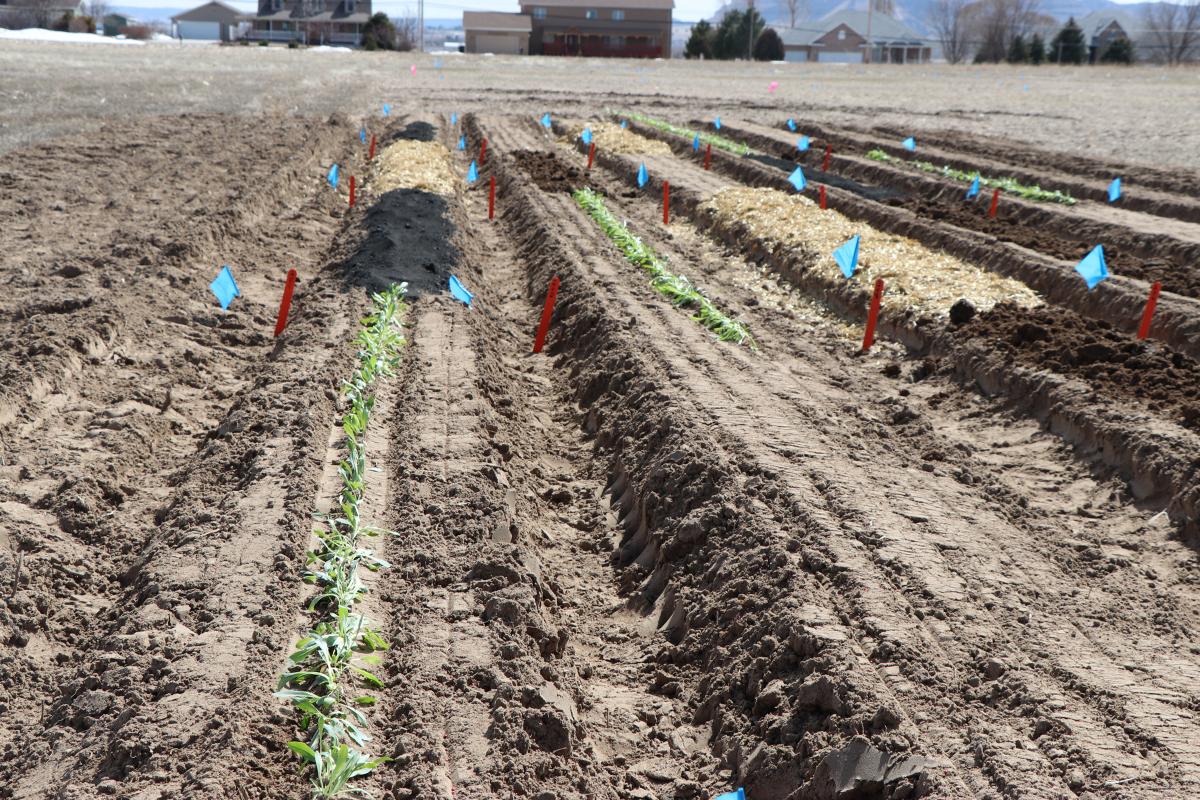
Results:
x,y
678,288
1008,185
327,679
716,140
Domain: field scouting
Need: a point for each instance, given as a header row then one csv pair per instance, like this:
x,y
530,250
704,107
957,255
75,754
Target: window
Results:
x,y
618,15
591,13
539,12
841,35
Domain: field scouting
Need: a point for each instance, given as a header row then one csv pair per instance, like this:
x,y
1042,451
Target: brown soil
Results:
x,y
549,173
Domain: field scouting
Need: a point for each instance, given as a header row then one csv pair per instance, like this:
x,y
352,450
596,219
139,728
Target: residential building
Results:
x,y
612,28
114,23
488,32
1102,28
842,37
309,21
213,21
37,13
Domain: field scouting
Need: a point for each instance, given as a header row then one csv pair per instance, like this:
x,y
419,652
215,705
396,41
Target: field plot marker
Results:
x,y
995,203
492,199
873,315
591,154
352,191
828,155
1148,314
666,202
371,154
286,304
822,196
547,312
708,156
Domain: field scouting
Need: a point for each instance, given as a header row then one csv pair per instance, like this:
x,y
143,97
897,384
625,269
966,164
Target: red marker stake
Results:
x,y
666,203
828,155
289,287
547,312
371,155
591,154
823,198
873,315
708,156
492,199
995,204
1148,314
352,191
483,153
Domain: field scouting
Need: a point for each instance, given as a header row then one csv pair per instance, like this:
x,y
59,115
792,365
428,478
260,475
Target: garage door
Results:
x,y
843,57
496,43
795,55
199,30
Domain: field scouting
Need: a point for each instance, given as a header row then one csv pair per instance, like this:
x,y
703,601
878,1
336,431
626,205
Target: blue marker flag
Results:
x,y
462,143
791,125
437,63
472,173
453,117
546,120
459,292
225,287
974,190
846,257
586,136
740,794
1092,268
797,179
1114,190
802,143
643,177
910,143
717,123
332,177
624,123
696,143
387,109
362,134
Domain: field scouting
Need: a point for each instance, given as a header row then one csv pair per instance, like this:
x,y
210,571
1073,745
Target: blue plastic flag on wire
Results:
x,y
974,189
624,123
802,143
643,177
910,143
462,143
453,117
459,292
797,179
791,125
1092,268
437,63
1114,190
740,794
387,109
546,120
225,287
846,257
472,173
696,143
717,123
332,177
362,134
586,136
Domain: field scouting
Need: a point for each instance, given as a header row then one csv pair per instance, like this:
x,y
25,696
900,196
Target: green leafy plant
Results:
x,y
716,140
326,671
1009,185
677,288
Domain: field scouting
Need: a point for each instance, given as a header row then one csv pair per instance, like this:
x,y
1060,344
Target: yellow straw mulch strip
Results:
x,y
928,281
612,138
406,164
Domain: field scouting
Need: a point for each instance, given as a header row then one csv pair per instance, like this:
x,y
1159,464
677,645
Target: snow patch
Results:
x,y
43,35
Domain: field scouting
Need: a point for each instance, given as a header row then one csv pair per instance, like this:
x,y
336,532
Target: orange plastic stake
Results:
x,y
1148,314
492,199
352,191
547,312
666,203
995,204
289,287
873,315
591,153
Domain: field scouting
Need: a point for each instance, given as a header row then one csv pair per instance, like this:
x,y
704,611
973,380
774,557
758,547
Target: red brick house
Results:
x,y
612,28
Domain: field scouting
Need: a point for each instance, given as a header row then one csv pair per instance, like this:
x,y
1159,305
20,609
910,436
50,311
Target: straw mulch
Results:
x,y
928,281
612,138
407,164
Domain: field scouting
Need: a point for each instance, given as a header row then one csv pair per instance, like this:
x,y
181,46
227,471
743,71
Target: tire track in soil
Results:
x,y
918,560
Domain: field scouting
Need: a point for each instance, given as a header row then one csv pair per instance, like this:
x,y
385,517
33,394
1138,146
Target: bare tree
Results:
x,y
97,10
1175,27
43,12
406,30
949,19
994,24
887,7
797,9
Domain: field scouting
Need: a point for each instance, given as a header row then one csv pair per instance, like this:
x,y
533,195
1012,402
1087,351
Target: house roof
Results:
x,y
657,5
214,11
291,15
1096,21
496,21
884,29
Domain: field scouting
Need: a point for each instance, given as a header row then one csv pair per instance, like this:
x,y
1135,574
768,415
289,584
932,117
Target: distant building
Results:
x,y
488,32
114,23
213,22
613,28
309,21
841,37
37,13
1102,28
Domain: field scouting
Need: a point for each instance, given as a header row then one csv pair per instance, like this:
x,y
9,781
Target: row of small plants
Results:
x,y
677,288
716,140
1009,185
327,679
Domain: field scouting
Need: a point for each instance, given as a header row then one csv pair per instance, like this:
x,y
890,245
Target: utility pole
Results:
x,y
867,53
421,26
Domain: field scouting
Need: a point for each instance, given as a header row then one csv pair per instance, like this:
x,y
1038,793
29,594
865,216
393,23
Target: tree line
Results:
x,y
740,34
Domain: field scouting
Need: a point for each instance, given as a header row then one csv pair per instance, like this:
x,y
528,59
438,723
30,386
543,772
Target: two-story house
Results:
x,y
615,28
309,21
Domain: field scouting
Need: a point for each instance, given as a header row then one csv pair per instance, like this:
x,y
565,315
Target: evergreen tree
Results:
x,y
1068,46
1037,50
1119,51
700,42
768,47
733,34
1017,52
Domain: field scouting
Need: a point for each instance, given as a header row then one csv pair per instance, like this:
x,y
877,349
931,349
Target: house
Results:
x,y
488,32
114,23
1102,28
213,22
37,13
613,28
309,21
842,37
